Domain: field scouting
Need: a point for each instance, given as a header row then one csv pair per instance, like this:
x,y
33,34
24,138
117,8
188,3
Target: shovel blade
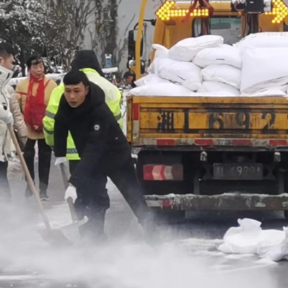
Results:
x,y
71,231
55,237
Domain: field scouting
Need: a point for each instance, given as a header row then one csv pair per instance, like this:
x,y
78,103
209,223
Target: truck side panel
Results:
x,y
188,118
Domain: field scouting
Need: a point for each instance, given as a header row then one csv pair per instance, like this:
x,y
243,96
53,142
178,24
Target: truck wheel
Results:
x,y
165,217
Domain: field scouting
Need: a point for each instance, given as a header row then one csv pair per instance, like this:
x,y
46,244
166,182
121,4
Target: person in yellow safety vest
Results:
x,y
87,62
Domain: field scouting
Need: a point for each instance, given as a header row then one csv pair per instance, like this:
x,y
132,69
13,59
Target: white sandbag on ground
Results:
x,y
150,79
162,89
222,73
218,87
185,73
161,52
264,40
187,49
224,54
275,252
264,68
249,238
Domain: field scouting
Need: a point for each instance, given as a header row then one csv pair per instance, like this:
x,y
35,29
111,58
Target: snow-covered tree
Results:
x,y
71,17
103,32
23,24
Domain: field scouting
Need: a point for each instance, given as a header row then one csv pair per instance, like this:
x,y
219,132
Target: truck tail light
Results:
x,y
163,173
278,143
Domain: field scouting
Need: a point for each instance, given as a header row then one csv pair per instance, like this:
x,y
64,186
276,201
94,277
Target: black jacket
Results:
x,y
98,137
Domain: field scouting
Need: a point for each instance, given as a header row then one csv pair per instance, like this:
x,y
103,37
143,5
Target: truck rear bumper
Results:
x,y
224,202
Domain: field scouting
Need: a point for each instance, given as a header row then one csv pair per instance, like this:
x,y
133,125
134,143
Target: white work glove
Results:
x,y
61,160
71,193
6,116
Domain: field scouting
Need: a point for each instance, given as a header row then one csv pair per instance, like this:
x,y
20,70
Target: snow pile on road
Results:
x,y
256,66
118,264
249,238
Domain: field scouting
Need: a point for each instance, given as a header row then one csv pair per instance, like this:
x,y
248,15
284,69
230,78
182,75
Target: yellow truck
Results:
x,y
211,153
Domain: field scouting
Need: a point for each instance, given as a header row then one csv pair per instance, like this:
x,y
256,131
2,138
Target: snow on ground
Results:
x,y
124,263
125,260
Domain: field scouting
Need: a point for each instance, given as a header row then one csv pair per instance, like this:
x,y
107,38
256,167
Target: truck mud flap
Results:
x,y
224,202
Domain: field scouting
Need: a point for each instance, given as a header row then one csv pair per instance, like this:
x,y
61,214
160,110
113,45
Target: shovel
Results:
x,y
69,200
52,236
71,231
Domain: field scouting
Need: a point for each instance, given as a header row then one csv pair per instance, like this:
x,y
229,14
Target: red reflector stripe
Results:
x,y
166,203
204,142
147,171
275,143
136,111
163,173
165,142
241,142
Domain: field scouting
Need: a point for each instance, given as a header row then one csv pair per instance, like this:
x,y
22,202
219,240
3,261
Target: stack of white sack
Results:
x,y
249,238
175,67
264,71
221,69
153,84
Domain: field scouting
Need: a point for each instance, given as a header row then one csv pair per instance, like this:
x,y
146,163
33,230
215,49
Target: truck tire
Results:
x,y
168,217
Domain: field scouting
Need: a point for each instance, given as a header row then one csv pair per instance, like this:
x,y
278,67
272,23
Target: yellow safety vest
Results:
x,y
112,98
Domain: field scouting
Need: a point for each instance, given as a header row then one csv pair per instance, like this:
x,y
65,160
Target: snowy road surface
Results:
x,y
188,256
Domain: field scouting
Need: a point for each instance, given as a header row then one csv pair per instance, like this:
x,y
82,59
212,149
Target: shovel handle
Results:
x,y
72,209
64,176
29,178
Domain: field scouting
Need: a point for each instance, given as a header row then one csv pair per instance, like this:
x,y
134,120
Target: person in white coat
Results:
x,y
9,114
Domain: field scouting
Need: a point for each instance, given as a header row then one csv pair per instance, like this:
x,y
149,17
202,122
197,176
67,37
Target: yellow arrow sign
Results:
x,y
280,10
169,10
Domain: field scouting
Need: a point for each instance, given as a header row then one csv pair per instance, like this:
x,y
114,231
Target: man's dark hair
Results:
x,y
87,59
34,60
75,77
128,74
6,50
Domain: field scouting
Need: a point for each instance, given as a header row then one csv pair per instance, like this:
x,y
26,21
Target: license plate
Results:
x,y
238,171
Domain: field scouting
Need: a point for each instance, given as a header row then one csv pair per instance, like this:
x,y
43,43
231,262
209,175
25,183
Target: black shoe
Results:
x,y
44,196
94,228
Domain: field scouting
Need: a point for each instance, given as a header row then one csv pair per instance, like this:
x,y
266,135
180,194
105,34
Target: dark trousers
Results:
x,y
126,181
95,194
44,161
4,184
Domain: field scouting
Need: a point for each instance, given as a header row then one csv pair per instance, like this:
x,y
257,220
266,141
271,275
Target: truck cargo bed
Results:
x,y
207,121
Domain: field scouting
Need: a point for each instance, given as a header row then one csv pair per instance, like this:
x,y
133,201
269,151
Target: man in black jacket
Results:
x,y
103,150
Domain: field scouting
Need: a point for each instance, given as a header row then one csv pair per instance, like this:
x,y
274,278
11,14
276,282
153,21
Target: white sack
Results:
x,y
275,91
249,238
150,79
275,252
218,88
224,55
162,89
185,73
264,68
187,49
222,73
264,40
161,52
